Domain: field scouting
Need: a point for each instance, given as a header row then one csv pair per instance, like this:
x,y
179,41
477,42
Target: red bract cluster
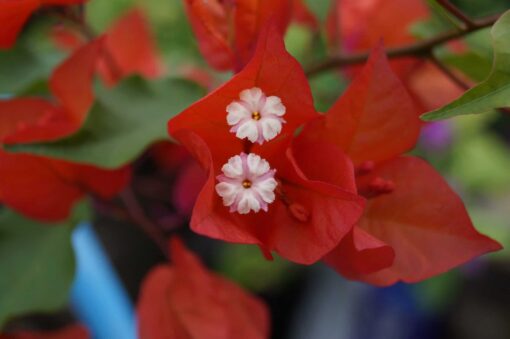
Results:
x,y
46,189
271,171
313,210
227,31
184,300
129,48
414,226
70,332
392,21
15,13
412,219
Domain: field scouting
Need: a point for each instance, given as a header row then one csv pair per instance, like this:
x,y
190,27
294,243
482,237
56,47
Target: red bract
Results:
x,y
184,300
227,30
43,188
131,45
314,208
70,332
392,21
414,226
35,119
129,48
15,13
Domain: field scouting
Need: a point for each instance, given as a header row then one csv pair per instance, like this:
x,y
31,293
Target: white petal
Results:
x,y
271,127
256,165
234,167
267,196
228,192
266,189
268,184
237,112
274,106
248,130
252,97
248,202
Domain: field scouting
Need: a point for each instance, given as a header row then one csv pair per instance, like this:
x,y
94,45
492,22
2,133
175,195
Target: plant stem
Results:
x,y
453,10
448,72
420,49
138,216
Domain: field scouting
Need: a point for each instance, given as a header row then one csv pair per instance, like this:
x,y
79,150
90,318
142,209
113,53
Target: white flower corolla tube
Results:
x,y
247,184
255,116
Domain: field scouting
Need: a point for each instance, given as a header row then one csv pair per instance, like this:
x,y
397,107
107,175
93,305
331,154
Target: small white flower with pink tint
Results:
x,y
255,116
247,184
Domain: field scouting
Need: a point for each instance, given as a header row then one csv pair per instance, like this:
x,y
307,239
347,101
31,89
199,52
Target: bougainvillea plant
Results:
x,y
232,145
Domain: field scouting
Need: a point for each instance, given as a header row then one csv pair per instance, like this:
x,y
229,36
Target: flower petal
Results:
x,y
184,300
132,46
374,120
46,189
71,82
424,221
13,15
275,72
360,253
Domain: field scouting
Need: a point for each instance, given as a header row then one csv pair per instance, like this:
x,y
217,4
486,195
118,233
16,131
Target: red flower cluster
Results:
x,y
46,189
428,86
313,210
412,226
227,30
184,300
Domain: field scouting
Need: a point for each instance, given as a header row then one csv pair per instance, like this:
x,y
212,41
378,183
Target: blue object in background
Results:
x,y
98,297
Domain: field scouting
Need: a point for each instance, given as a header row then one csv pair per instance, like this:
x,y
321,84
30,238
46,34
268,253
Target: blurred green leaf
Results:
x,y
472,64
245,265
319,8
438,293
482,162
492,93
36,265
100,14
19,68
478,9
298,41
123,123
491,218
167,18
29,63
327,88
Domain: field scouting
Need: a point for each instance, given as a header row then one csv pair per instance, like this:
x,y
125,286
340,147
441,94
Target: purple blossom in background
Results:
x,y
436,136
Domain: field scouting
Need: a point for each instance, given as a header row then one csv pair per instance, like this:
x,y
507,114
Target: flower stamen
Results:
x,y
247,184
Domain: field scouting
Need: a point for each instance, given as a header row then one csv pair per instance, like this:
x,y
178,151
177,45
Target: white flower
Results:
x,y
255,116
247,184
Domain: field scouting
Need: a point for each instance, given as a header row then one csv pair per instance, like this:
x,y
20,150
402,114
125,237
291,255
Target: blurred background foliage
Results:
x,y
472,152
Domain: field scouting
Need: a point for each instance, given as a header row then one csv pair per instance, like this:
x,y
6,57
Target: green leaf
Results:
x,y
492,93
30,62
122,124
472,64
481,163
245,265
319,8
36,265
